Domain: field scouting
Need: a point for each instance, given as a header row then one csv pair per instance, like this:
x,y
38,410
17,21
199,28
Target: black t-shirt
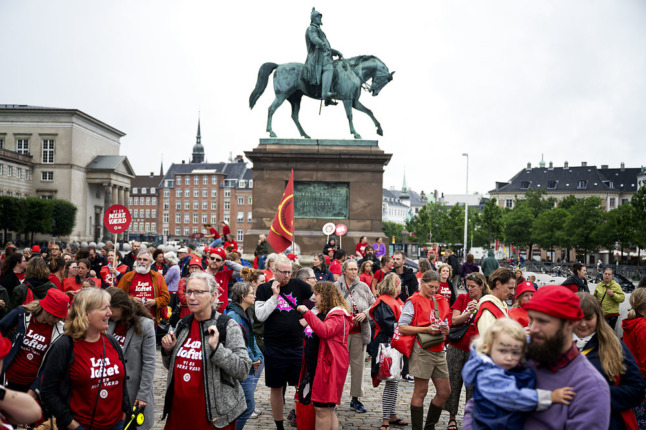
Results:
x,y
282,329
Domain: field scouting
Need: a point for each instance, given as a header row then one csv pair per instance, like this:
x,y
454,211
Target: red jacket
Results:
x,y
424,310
334,358
519,315
634,335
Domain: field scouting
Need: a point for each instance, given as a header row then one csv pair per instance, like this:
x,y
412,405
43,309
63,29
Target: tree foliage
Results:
x,y
391,229
35,215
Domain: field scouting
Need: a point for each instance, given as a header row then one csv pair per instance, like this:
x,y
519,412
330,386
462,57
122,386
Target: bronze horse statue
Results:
x,y
350,75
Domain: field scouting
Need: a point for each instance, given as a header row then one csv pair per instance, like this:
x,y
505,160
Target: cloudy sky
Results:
x,y
505,81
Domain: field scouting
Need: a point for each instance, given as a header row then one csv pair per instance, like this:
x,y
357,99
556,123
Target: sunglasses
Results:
x,y
216,259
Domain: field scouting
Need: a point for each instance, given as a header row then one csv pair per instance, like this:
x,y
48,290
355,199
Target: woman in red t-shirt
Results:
x,y
446,286
366,272
84,375
457,354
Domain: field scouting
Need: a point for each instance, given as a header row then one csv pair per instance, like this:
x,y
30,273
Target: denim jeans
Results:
x,y
216,242
118,426
249,388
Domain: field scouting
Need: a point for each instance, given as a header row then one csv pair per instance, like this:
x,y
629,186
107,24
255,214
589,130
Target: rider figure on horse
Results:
x,y
318,66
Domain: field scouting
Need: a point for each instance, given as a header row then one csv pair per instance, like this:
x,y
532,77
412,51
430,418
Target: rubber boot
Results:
x,y
432,417
417,417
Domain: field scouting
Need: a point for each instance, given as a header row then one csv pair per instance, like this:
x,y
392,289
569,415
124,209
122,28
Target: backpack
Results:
x,y
221,325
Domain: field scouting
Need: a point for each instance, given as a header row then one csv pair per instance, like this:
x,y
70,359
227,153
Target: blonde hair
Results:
x,y
506,326
85,301
611,354
637,302
389,284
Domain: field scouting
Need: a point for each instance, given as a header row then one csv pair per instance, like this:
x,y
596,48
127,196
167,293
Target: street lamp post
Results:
x,y
466,211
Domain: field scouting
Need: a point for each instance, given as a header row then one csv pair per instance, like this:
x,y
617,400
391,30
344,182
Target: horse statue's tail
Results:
x,y
261,84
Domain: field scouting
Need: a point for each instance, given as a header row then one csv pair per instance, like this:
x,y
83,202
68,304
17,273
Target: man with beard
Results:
x,y
224,271
130,258
410,285
370,256
553,312
97,261
146,286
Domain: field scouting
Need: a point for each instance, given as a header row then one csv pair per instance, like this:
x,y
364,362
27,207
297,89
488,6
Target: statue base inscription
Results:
x,y
337,181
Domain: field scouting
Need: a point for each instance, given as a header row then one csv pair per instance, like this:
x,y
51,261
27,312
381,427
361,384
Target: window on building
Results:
x,y
165,218
152,190
178,218
144,190
27,174
227,205
205,205
165,231
186,231
1,168
135,226
129,201
166,192
249,200
524,185
44,176
196,180
204,218
178,231
166,204
214,180
509,203
214,193
205,192
582,185
153,213
48,151
612,202
10,171
196,205
136,201
196,192
240,201
187,192
22,146
178,205
196,218
240,235
135,213
611,184
242,183
18,173
240,216
153,227
153,201
205,180
1,143
214,219
179,180
214,205
178,193
250,183
551,185
249,217
187,218
147,213
147,228
187,204
227,192
147,201
624,201
227,217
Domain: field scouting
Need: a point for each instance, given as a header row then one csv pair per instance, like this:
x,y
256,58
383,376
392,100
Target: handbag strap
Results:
x,y
98,393
349,291
437,312
292,305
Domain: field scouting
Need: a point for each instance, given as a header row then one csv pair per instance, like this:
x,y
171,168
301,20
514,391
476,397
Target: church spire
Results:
x,y
404,194
198,149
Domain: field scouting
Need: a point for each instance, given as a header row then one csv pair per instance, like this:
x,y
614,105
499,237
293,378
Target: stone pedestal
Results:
x,y
357,163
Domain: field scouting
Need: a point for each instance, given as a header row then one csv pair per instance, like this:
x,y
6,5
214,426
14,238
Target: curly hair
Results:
x,y
85,301
37,268
442,266
330,297
130,309
249,274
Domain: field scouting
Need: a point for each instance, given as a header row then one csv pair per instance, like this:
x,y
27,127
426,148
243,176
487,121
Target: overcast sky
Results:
x,y
505,81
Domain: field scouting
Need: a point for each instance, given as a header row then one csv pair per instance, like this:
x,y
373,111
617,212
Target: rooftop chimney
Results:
x,y
584,164
529,166
623,166
183,161
604,166
565,165
239,159
152,174
551,166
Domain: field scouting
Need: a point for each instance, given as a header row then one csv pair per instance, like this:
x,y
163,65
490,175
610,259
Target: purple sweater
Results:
x,y
591,406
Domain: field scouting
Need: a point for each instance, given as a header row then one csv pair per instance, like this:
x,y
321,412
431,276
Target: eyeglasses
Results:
x,y
55,249
284,272
215,259
196,293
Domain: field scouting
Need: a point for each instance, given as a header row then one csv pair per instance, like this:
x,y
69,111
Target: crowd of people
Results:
x,y
527,357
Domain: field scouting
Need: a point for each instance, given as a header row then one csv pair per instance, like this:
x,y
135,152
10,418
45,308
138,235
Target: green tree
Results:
x,y
518,225
454,225
567,202
64,218
429,219
538,201
580,226
547,228
391,229
11,214
491,222
638,202
37,216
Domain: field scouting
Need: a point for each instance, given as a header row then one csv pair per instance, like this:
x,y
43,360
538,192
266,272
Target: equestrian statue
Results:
x,y
322,78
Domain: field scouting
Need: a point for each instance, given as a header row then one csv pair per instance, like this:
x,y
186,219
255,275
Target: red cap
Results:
x,y
292,257
207,250
56,303
523,287
35,248
557,301
5,346
219,251
195,262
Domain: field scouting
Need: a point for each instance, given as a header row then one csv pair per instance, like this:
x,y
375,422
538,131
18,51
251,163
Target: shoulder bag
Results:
x,y
427,340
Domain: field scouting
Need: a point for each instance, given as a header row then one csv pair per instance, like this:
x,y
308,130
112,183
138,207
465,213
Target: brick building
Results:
x,y
144,206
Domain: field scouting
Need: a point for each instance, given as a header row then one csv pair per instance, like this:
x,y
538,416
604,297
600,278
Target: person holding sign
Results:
x,y
146,286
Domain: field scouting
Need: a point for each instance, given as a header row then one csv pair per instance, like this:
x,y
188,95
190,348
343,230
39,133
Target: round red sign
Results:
x,y
341,229
117,219
197,235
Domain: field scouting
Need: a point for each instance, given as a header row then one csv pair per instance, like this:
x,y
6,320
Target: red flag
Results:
x,y
497,245
281,233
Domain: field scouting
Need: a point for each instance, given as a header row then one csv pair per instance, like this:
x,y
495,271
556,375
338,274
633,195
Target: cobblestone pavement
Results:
x,y
348,418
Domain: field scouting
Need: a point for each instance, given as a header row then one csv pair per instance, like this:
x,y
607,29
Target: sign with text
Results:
x,y
117,219
328,228
329,200
341,229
